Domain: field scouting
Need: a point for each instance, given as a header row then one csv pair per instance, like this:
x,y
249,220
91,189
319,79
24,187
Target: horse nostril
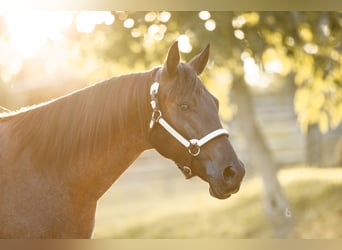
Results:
x,y
228,173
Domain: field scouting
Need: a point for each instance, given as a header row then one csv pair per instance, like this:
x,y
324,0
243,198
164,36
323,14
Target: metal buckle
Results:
x,y
156,114
194,145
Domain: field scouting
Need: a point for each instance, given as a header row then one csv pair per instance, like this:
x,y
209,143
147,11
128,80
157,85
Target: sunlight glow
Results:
x,y
155,32
153,29
164,16
136,33
184,44
310,48
290,41
204,15
238,22
253,74
150,16
86,21
13,66
35,32
274,66
29,31
210,25
239,34
128,23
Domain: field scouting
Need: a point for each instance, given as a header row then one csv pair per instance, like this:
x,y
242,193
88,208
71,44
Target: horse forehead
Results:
x,y
187,71
188,86
189,77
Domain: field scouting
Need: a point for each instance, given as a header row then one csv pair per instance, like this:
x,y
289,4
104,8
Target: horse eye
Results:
x,y
184,106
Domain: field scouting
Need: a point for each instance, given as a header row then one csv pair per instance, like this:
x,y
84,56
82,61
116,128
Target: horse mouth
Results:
x,y
216,193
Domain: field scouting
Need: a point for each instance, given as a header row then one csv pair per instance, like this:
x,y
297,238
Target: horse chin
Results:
x,y
214,193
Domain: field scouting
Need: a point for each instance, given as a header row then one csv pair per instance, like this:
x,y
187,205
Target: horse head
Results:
x,y
185,125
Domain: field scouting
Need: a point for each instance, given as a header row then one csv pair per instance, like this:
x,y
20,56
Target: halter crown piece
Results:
x,y
193,145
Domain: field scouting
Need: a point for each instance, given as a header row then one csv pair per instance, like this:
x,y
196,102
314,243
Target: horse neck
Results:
x,y
98,131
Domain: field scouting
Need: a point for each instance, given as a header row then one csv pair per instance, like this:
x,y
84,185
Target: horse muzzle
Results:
x,y
228,183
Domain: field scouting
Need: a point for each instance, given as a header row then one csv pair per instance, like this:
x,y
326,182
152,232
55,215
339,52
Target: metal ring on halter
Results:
x,y
156,114
191,147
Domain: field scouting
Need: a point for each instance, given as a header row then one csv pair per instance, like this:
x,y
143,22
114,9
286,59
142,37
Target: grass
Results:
x,y
314,195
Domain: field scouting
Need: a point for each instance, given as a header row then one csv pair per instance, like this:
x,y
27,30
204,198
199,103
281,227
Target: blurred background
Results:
x,y
278,77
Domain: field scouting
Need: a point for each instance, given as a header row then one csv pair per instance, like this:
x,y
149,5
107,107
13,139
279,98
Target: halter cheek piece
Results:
x,y
193,145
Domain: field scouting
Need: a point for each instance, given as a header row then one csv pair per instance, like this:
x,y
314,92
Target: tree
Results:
x,y
308,45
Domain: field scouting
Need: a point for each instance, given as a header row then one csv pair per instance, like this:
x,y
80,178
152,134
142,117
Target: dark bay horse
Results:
x,y
58,158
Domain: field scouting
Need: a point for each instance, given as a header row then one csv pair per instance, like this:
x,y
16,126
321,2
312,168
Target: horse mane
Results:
x,y
78,124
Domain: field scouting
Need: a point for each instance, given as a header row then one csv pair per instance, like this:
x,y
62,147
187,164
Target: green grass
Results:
x,y
314,194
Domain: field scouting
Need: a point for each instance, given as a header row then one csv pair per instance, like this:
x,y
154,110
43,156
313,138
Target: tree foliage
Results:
x,y
304,47
309,46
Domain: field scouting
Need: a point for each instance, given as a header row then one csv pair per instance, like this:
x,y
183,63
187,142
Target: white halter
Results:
x,y
193,145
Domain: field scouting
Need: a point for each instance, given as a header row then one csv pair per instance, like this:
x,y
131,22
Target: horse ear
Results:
x,y
172,59
199,62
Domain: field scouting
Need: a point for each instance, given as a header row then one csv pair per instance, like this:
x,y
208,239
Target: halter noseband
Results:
x,y
193,145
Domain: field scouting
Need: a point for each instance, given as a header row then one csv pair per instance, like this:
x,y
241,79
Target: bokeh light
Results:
x,y
164,16
184,44
210,25
204,15
128,23
86,21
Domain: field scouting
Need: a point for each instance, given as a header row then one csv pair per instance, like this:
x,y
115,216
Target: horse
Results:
x,y
58,158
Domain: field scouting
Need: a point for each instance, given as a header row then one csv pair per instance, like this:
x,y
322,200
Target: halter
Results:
x,y
193,145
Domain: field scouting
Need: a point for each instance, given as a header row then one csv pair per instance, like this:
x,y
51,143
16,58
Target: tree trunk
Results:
x,y
276,205
314,146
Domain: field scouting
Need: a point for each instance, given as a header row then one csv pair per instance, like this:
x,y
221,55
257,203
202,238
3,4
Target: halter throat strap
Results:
x,y
193,145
